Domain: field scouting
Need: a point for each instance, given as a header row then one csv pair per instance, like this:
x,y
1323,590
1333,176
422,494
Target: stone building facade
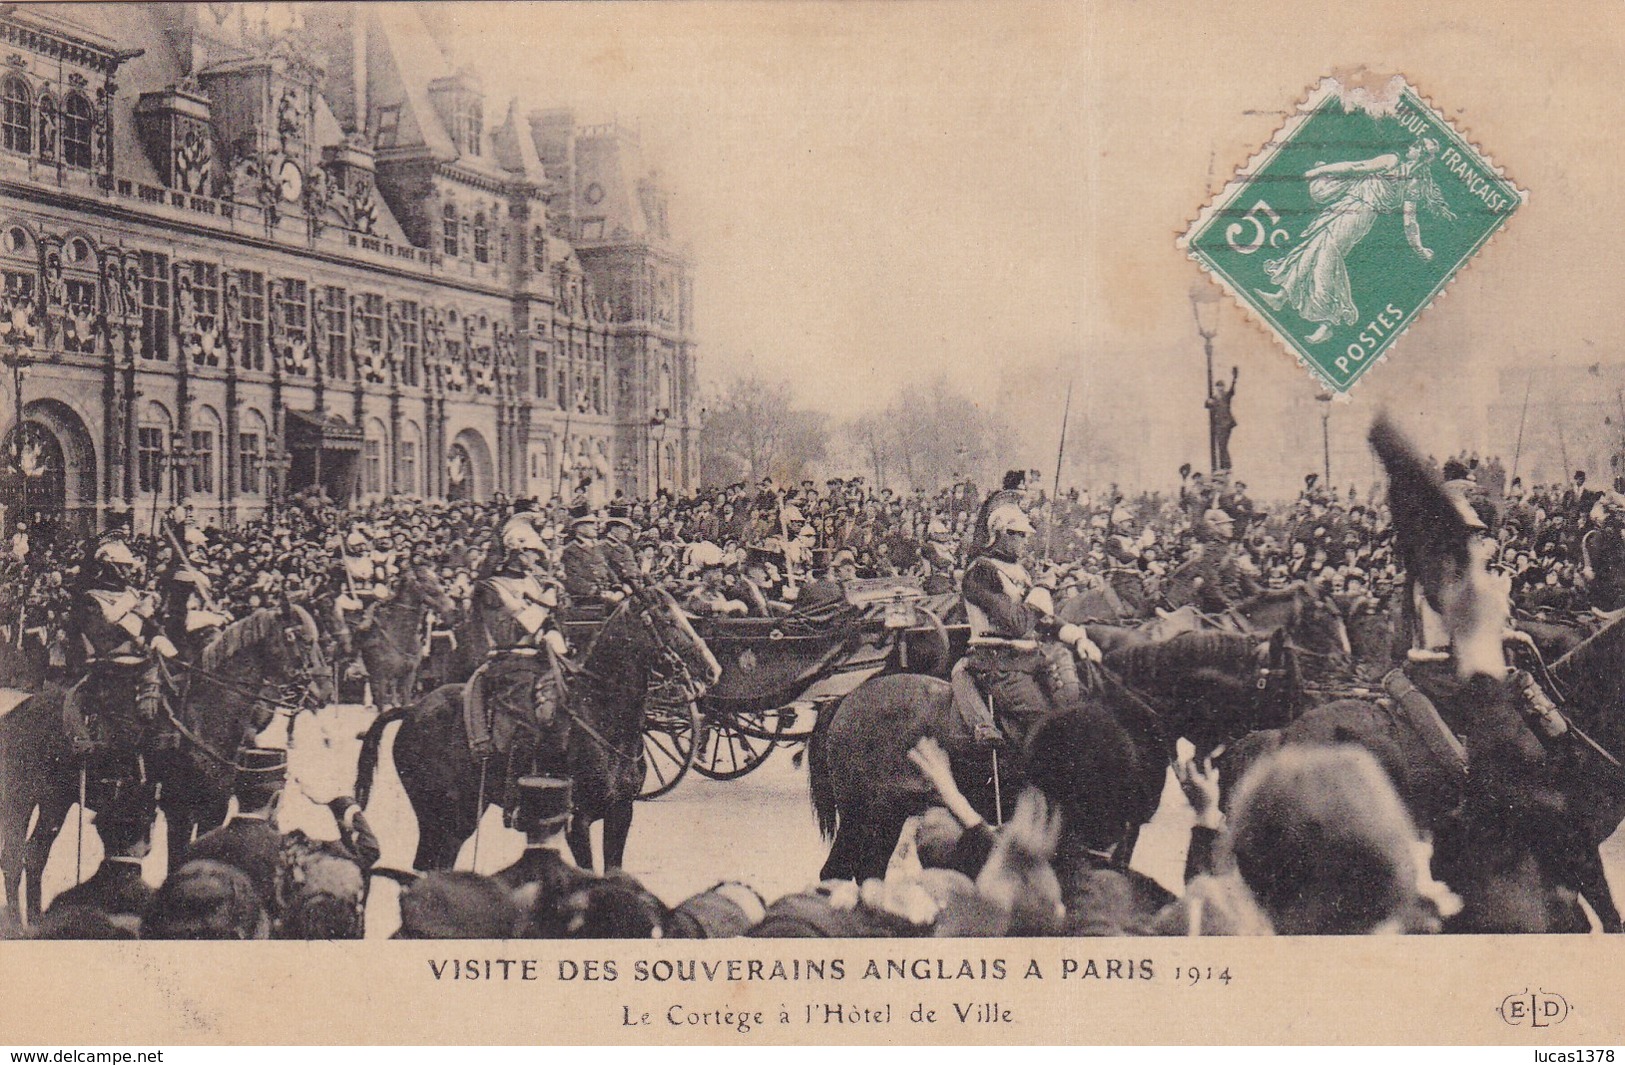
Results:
x,y
242,258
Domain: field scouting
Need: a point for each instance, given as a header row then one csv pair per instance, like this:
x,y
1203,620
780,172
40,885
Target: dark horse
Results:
x,y
269,659
1590,684
391,645
646,642
1312,620
864,788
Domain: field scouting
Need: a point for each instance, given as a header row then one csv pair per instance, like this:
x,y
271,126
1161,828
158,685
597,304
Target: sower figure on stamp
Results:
x,y
1014,633
1313,277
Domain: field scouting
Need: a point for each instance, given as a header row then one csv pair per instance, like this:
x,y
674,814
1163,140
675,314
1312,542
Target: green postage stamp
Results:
x,y
1350,222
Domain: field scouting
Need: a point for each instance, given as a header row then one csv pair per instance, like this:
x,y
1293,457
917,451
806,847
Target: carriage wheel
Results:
x,y
776,725
726,753
668,747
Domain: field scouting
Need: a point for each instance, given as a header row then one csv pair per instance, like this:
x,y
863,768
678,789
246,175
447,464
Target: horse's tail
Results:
x,y
371,740
821,777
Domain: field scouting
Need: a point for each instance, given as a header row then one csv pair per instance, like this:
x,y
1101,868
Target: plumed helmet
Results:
x,y
357,538
792,515
116,552
1008,518
522,536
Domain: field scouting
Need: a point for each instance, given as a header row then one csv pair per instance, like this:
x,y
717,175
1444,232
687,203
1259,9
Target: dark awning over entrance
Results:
x,y
321,431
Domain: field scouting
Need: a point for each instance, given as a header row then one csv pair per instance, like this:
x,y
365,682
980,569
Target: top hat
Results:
x,y
581,514
545,805
619,514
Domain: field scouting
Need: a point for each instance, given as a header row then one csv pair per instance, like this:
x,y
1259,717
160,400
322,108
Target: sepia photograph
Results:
x,y
1065,481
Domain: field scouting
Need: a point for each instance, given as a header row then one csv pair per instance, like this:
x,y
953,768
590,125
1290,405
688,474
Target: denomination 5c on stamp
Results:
x,y
1350,222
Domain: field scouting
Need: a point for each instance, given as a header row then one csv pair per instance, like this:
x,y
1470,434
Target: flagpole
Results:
x,y
1517,451
1060,453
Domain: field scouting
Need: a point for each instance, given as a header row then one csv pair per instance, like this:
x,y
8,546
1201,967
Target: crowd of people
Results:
x,y
1308,840
1316,840
1561,543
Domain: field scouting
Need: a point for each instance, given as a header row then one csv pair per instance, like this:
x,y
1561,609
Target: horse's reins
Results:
x,y
1554,691
672,659
283,705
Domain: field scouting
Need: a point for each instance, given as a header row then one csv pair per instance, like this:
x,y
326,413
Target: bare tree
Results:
x,y
754,429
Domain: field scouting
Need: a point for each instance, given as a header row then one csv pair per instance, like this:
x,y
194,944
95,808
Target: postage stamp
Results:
x,y
1349,223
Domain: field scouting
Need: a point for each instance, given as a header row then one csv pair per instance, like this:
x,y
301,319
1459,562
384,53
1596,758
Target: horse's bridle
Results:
x,y
676,668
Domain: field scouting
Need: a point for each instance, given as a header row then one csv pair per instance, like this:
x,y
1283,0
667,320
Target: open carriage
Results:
x,y
779,672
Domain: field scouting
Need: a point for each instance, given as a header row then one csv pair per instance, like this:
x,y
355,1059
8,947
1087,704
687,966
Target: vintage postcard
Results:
x,y
782,523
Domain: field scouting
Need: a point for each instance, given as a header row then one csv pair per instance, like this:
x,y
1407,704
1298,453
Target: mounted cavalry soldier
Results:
x,y
512,703
360,577
1015,635
1216,577
120,633
191,617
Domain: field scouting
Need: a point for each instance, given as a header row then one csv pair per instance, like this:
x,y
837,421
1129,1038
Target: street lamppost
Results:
x,y
18,356
180,460
1325,401
657,433
277,464
1205,308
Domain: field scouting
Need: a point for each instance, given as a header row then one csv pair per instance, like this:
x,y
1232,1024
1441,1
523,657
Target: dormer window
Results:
x,y
462,110
468,123
389,126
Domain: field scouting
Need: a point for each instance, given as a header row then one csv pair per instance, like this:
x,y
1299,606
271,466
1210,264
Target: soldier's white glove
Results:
x,y
1041,600
163,646
1078,637
790,593
347,603
555,639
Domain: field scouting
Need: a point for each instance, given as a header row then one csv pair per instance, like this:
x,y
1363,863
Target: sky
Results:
x,y
879,192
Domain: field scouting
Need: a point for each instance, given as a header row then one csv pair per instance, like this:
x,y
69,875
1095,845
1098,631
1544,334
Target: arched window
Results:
x,y
251,454
76,123
152,448
205,445
16,115
407,460
482,238
48,121
373,446
448,229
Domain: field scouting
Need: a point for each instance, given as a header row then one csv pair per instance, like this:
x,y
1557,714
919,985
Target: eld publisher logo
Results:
x,y
1534,1009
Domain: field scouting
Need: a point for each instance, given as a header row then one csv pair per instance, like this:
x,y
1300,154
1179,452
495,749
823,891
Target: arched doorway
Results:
x,y
468,467
48,479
